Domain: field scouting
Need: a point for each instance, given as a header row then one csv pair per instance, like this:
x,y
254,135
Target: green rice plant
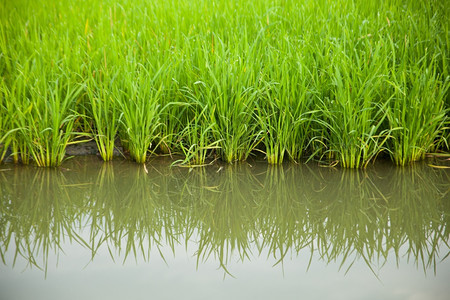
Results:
x,y
355,113
41,111
416,112
105,114
40,91
11,84
196,142
170,129
173,110
138,92
5,104
5,121
196,137
418,81
48,120
14,108
231,98
284,110
9,133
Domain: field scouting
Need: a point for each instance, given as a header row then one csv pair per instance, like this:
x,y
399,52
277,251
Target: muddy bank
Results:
x,y
90,148
80,149
436,160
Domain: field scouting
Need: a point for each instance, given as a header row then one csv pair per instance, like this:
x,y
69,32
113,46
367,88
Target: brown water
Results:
x,y
94,230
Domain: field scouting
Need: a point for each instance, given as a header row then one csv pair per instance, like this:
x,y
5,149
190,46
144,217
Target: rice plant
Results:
x,y
196,138
46,124
105,114
284,110
44,114
6,121
138,93
231,98
417,113
355,112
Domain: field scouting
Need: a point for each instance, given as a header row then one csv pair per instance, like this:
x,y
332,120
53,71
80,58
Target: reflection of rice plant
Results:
x,y
37,219
238,210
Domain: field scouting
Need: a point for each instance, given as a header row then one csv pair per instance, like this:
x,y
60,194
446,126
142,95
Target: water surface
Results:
x,y
94,230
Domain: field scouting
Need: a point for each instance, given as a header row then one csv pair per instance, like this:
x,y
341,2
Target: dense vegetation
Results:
x,y
340,81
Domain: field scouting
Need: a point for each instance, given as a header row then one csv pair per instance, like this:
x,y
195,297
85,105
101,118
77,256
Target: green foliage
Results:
x,y
339,81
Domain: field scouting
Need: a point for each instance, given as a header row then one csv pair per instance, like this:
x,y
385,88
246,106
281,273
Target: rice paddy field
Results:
x,y
342,82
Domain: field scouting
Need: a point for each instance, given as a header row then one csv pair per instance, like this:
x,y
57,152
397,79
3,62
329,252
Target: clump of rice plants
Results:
x,y
105,116
42,107
284,113
355,112
416,114
196,138
138,95
6,121
231,97
45,119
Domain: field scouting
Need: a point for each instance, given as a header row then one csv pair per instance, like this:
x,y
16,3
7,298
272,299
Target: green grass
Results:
x,y
338,81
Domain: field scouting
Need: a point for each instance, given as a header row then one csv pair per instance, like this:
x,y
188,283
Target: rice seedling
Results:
x,y
417,113
355,112
418,79
105,114
231,97
174,107
5,122
46,119
138,92
195,139
43,114
284,110
5,113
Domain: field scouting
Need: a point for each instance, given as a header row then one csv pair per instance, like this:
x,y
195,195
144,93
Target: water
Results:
x,y
93,230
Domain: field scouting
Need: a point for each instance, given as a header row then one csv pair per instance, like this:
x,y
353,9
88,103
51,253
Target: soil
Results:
x,y
80,149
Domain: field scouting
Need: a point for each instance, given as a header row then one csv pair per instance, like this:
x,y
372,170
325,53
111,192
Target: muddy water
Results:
x,y
93,230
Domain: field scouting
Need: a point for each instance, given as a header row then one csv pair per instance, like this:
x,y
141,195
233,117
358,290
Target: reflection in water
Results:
x,y
227,211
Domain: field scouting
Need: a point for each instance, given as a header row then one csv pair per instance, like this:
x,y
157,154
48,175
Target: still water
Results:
x,y
94,230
